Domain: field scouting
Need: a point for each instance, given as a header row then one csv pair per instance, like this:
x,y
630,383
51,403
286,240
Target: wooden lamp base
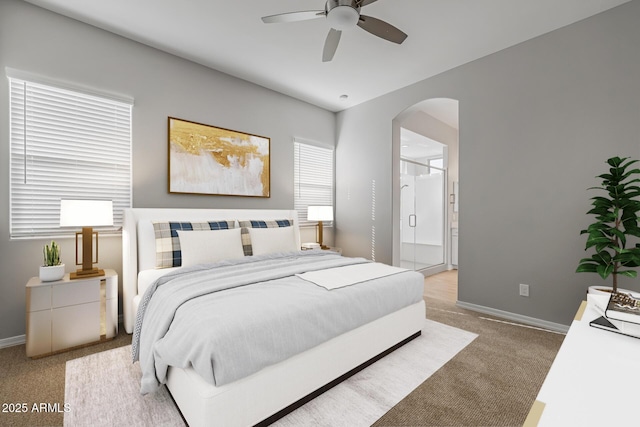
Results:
x,y
319,233
87,270
81,274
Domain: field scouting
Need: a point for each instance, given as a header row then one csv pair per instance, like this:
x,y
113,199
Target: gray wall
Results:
x,y
537,122
40,42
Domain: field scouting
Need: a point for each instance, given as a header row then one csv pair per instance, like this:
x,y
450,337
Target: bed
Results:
x,y
261,397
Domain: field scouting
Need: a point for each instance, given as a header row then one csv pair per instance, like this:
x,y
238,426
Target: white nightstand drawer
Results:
x,y
73,293
39,298
75,325
39,332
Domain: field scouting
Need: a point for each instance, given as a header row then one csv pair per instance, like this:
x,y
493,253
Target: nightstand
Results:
x,y
65,314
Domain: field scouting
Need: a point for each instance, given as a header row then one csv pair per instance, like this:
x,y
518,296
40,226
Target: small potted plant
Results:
x,y
616,223
52,269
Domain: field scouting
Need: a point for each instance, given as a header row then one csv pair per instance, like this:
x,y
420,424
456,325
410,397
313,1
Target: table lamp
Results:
x,y
320,213
86,214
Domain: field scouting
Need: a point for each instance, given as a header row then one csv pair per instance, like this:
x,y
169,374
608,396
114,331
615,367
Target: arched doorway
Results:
x,y
425,183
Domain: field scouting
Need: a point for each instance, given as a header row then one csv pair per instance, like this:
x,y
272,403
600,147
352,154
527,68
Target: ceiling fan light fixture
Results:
x,y
343,17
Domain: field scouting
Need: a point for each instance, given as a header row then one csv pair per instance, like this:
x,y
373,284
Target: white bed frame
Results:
x,y
276,390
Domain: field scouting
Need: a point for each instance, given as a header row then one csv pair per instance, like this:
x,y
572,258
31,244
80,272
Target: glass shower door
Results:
x,y
422,215
407,219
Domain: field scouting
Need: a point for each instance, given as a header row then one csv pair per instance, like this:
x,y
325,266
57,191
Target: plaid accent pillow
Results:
x,y
168,253
246,225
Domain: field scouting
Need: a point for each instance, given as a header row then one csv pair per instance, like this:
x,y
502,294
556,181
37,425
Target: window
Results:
x,y
313,178
65,144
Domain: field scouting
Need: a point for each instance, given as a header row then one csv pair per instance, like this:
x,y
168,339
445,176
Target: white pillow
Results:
x,y
269,240
204,246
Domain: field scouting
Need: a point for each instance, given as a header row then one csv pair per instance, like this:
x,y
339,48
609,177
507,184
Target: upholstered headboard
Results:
x,y
138,241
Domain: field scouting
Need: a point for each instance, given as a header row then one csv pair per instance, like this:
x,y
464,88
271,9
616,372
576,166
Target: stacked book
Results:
x,y
620,313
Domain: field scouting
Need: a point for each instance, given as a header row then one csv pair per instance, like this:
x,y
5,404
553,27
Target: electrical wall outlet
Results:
x,y
524,290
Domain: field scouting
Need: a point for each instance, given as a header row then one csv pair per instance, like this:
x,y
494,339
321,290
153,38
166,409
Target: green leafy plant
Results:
x,y
616,215
51,254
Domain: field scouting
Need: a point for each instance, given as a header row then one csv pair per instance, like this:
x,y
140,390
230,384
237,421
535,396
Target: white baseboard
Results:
x,y
557,327
10,342
430,271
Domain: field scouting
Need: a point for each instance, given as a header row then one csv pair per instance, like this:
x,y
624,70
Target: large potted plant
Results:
x,y
616,224
53,268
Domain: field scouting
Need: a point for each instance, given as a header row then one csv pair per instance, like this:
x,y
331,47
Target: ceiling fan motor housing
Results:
x,y
342,14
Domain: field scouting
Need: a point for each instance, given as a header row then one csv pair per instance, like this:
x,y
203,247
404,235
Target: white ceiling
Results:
x,y
416,146
229,36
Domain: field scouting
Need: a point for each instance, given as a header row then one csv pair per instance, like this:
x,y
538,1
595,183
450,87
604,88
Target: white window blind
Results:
x,y
65,145
313,178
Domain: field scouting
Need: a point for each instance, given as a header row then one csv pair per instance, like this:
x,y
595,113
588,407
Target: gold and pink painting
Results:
x,y
206,159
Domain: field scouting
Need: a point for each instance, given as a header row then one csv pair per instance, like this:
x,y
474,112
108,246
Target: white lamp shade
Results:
x,y
86,213
320,213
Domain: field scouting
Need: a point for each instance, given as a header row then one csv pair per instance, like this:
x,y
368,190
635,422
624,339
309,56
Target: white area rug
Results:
x,y
103,389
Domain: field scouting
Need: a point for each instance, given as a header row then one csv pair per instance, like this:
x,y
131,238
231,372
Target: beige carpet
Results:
x,y
98,383
491,382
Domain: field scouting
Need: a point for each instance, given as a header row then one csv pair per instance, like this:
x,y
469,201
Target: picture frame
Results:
x,y
205,159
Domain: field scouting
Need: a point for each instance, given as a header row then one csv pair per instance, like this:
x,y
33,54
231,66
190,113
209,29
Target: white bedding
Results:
x,y
147,277
338,277
253,398
197,316
139,245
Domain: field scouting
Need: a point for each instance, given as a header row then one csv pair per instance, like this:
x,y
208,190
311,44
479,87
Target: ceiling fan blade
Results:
x,y
331,44
366,2
293,16
381,29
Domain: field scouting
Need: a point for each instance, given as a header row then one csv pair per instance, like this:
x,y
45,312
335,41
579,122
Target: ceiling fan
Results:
x,y
342,15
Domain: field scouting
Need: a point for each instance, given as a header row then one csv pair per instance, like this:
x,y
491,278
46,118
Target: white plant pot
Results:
x,y
51,273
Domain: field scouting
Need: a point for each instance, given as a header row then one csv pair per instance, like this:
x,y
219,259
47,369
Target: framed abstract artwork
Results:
x,y
206,159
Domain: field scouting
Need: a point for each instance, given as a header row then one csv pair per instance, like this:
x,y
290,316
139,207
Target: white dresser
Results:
x,y
70,313
593,379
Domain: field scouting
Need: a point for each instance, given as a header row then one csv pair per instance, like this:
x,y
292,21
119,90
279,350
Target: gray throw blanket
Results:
x,y
233,318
